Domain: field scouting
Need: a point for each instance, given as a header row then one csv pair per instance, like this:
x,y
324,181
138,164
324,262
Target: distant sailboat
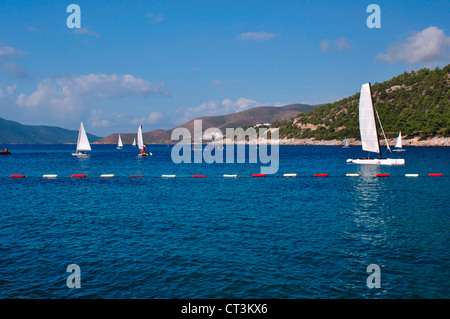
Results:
x,y
345,144
134,142
140,142
119,143
82,143
369,132
398,145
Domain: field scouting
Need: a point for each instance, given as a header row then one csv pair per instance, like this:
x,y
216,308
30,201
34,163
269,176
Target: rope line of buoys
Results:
x,y
53,176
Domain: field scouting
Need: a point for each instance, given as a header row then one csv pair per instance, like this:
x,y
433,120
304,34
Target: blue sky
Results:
x,y
162,63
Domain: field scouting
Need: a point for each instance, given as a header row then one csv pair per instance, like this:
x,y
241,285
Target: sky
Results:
x,y
162,63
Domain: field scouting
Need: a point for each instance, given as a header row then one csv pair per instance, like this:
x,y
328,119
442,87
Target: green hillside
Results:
x,y
15,133
416,103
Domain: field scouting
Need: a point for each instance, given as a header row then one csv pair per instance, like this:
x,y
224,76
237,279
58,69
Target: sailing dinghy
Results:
x,y
398,145
369,132
140,142
119,143
345,144
82,143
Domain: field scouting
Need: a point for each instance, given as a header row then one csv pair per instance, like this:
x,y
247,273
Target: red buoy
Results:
x,y
78,175
435,174
321,175
136,176
382,175
18,176
259,175
198,175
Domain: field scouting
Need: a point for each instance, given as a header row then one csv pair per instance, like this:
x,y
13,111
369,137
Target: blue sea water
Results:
x,y
215,237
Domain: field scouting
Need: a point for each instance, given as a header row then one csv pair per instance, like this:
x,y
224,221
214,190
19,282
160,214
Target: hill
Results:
x,y
15,133
250,117
415,103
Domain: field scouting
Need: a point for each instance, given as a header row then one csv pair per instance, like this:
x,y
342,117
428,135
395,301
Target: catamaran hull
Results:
x,y
80,155
377,161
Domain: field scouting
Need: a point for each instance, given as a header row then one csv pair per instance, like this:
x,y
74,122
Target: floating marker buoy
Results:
x,y
289,175
259,175
225,175
321,175
435,174
352,175
78,175
49,176
198,176
411,175
17,176
107,175
136,176
382,175
167,175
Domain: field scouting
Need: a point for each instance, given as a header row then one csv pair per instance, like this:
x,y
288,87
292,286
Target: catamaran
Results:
x,y
398,145
369,132
82,143
119,143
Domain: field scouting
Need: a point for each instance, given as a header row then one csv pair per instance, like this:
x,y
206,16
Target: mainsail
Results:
x,y
367,125
83,142
140,140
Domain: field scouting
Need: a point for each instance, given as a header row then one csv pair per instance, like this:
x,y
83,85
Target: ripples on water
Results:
x,y
272,237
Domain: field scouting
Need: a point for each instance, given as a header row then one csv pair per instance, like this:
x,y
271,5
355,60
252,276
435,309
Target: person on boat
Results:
x,y
5,150
143,148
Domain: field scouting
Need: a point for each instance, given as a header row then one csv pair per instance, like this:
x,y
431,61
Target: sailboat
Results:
x,y
369,132
398,145
140,142
345,144
82,143
134,142
119,143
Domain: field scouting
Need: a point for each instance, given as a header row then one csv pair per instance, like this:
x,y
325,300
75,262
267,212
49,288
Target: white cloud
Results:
x,y
86,31
340,44
325,46
343,44
71,97
152,118
155,18
213,108
428,45
256,36
7,54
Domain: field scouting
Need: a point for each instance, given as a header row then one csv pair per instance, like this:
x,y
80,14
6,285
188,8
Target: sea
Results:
x,y
272,237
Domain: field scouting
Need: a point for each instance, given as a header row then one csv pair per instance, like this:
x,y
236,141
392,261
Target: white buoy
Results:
x,y
225,175
168,176
49,176
353,175
412,175
107,175
289,175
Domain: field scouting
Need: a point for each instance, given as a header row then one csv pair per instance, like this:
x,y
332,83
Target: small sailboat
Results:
x,y
140,143
134,142
345,144
82,143
119,143
369,132
398,145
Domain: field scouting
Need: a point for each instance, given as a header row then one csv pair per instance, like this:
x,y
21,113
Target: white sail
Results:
x,y
134,142
367,126
140,140
399,141
120,144
83,142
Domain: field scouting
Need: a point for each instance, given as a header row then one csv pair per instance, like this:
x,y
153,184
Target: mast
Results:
x,y
375,113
